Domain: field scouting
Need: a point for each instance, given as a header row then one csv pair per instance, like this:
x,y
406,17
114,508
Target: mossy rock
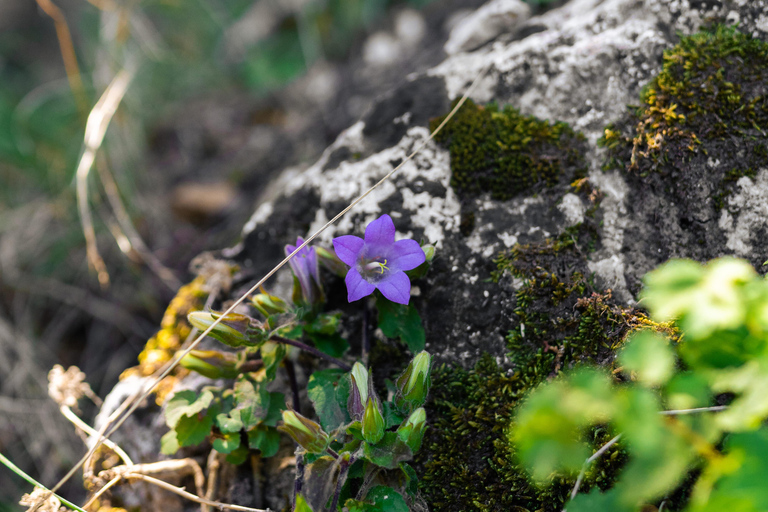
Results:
x,y
701,126
507,153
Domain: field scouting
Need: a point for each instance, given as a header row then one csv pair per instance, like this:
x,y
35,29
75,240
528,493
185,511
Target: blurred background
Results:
x,y
207,100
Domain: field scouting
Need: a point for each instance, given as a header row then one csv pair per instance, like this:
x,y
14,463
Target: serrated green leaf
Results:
x,y
228,443
252,401
272,355
401,321
168,443
649,357
329,391
265,439
186,403
193,431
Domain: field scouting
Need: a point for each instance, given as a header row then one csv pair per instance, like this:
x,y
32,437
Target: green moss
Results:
x,y
506,153
466,461
709,100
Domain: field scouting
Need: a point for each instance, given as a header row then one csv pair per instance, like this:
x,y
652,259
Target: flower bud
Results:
x,y
269,305
230,331
413,384
358,394
211,363
411,432
373,422
429,252
308,434
307,286
331,261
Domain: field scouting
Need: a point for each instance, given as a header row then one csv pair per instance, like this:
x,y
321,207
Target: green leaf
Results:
x,y
327,323
648,355
227,424
547,428
252,401
265,439
386,499
168,443
238,456
228,443
411,479
319,483
389,452
276,408
301,505
745,486
272,354
194,430
329,390
186,403
332,344
401,321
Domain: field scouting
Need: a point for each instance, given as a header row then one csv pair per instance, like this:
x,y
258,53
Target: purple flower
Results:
x,y
379,261
306,270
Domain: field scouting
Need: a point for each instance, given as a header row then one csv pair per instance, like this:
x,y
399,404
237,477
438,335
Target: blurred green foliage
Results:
x,y
722,311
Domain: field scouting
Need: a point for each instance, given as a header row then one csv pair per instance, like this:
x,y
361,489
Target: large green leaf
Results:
x,y
401,321
329,390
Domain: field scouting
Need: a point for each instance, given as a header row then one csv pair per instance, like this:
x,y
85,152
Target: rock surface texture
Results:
x,y
597,194
583,64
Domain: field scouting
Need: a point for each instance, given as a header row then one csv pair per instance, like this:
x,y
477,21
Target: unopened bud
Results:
x,y
230,331
211,363
308,434
331,261
413,384
411,432
358,395
429,252
269,305
373,422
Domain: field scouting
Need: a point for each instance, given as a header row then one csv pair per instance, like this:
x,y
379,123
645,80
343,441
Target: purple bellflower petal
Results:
x,y
306,269
357,287
380,231
347,248
407,255
379,261
396,287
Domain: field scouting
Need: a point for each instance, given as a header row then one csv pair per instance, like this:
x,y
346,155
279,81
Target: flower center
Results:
x,y
373,270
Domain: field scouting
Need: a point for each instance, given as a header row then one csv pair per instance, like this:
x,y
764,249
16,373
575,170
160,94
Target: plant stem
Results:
x,y
10,465
345,464
312,350
291,371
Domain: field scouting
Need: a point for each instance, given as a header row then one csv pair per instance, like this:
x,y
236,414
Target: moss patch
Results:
x,y
710,102
507,153
467,463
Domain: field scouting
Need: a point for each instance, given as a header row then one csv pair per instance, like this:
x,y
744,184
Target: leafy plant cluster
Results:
x,y
691,415
356,454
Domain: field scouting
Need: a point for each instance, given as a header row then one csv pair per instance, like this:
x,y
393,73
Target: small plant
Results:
x,y
356,454
691,415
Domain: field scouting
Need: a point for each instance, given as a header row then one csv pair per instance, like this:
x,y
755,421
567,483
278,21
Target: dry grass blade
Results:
x,y
133,241
67,53
172,364
95,129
